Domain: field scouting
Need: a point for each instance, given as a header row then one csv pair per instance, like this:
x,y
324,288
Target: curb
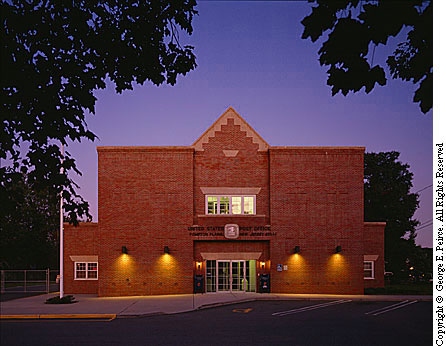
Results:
x,y
142,315
215,305
110,317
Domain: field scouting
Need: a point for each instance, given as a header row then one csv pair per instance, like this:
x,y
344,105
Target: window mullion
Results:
x,y
218,205
242,208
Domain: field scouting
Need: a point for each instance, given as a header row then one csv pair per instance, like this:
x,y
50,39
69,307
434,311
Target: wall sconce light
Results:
x,y
338,249
124,250
296,249
199,265
262,265
166,249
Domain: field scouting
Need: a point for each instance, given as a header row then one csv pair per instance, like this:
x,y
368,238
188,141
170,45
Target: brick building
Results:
x,y
229,208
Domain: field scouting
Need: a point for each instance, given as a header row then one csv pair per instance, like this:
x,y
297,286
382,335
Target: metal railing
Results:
x,y
29,281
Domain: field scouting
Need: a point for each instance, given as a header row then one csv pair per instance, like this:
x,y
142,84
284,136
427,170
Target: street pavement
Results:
x,y
335,322
139,306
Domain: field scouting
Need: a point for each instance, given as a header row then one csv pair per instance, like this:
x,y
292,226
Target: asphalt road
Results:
x,y
256,323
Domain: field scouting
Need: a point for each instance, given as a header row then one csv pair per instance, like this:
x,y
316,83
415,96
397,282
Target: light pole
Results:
x,y
61,234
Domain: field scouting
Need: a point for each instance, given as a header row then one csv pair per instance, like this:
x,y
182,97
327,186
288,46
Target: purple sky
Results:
x,y
250,56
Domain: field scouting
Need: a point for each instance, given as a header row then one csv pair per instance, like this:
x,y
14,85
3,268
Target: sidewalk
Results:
x,y
138,306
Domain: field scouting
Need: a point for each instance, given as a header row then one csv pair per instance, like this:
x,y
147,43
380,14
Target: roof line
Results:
x,y
215,123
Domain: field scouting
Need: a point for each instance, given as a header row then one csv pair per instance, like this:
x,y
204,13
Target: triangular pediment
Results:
x,y
230,113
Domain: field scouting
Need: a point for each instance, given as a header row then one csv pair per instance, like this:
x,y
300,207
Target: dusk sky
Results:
x,y
250,56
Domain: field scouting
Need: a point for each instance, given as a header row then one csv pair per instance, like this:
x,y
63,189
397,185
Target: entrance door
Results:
x,y
238,281
230,276
223,276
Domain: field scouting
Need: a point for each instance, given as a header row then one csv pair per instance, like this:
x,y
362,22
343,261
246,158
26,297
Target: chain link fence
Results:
x,y
24,282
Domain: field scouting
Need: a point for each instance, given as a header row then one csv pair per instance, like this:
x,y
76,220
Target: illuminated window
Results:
x,y
236,205
85,271
231,205
224,205
369,270
248,205
212,205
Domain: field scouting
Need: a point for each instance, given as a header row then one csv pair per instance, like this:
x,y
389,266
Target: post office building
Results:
x,y
229,213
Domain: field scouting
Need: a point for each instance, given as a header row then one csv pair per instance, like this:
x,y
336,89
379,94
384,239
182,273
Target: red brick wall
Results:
x,y
248,169
374,245
150,196
145,203
79,241
317,204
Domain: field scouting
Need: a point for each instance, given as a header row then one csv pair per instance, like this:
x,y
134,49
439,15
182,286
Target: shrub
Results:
x,y
64,300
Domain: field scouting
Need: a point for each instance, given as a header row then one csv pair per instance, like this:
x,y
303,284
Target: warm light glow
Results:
x,y
262,265
411,268
167,268
337,267
166,258
199,265
125,264
297,259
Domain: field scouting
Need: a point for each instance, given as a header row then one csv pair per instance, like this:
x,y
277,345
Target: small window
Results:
x,y
224,205
85,271
212,205
369,272
236,205
248,205
231,205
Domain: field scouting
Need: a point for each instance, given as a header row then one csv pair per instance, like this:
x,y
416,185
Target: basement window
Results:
x,y
85,270
230,205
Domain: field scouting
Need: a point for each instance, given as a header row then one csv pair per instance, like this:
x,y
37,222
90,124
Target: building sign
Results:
x,y
231,231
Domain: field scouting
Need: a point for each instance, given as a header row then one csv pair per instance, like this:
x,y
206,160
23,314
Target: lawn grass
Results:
x,y
402,288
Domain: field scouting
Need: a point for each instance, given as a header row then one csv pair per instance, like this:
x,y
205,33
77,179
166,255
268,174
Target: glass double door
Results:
x,y
235,276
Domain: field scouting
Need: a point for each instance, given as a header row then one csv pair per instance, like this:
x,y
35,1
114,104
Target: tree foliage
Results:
x,y
30,220
355,28
387,197
55,54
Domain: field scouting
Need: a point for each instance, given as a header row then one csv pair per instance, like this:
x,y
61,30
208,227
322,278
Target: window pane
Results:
x,y
81,274
92,266
236,205
224,205
92,274
212,205
248,205
80,266
368,269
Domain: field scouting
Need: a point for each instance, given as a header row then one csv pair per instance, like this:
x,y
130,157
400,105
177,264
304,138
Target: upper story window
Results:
x,y
230,205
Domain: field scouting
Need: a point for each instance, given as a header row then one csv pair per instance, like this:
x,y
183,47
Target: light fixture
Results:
x,y
199,265
262,265
166,249
124,250
296,249
338,249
